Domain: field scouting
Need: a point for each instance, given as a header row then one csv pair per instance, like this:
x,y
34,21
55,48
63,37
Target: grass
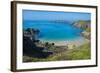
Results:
x,y
83,22
83,52
79,53
63,53
88,29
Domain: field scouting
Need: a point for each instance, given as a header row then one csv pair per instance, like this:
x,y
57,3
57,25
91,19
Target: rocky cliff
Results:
x,y
29,44
86,26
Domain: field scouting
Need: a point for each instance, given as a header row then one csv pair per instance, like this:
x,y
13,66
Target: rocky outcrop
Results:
x,y
29,44
86,26
86,34
82,24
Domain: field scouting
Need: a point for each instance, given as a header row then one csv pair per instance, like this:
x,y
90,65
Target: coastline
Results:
x,y
77,42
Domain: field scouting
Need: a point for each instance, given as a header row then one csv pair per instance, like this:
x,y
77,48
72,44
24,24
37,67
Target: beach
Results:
x,y
77,42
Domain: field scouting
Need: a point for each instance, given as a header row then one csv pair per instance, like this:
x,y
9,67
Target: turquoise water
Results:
x,y
54,31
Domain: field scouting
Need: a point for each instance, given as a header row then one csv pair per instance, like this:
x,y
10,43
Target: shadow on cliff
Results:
x,y
30,48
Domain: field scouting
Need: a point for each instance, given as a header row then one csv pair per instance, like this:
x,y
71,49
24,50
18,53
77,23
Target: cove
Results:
x,y
54,31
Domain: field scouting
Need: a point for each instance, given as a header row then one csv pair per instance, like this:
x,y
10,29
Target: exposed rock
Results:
x,y
29,46
86,34
86,26
82,24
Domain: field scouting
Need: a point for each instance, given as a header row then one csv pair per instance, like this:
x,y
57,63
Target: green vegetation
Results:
x,y
82,52
86,26
88,29
83,22
78,53
49,52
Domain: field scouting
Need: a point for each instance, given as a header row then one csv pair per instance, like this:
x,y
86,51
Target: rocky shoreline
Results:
x,y
35,48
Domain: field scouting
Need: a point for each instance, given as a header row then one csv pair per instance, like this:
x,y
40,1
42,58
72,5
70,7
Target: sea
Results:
x,y
54,30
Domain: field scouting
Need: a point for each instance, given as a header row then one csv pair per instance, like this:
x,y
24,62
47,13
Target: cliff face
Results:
x,y
82,24
86,26
29,44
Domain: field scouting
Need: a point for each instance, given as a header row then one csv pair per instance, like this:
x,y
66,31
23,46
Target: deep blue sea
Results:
x,y
54,31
